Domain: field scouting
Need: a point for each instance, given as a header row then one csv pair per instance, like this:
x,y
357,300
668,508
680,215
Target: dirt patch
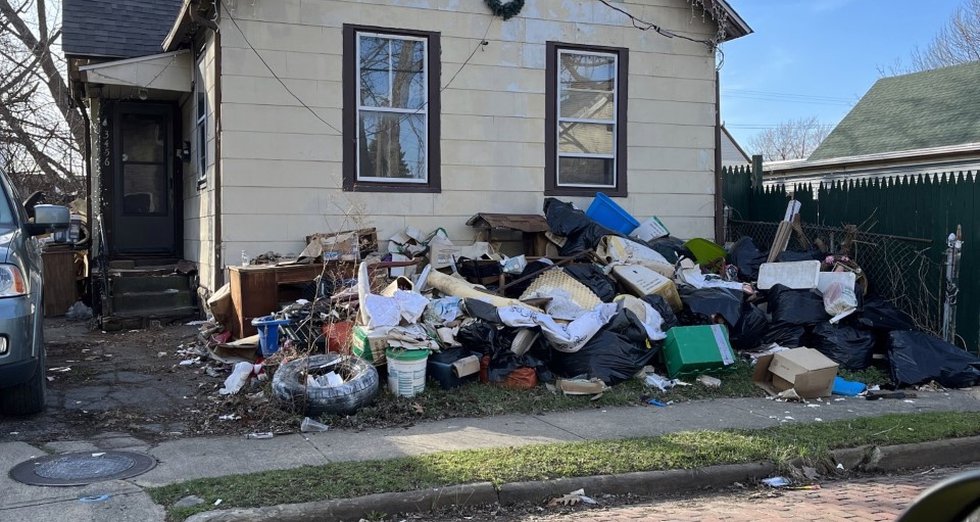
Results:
x,y
133,383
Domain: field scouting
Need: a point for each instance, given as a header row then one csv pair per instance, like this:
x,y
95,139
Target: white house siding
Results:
x,y
199,211
281,167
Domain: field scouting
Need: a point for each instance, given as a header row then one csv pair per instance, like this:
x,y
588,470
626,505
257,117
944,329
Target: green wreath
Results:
x,y
505,10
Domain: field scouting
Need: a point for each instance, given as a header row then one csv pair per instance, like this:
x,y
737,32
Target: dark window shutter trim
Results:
x,y
350,85
551,187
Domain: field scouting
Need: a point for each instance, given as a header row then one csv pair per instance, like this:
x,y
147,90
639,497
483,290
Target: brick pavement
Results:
x,y
858,500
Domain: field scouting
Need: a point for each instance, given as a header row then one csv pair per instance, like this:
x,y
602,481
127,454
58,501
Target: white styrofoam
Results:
x,y
798,275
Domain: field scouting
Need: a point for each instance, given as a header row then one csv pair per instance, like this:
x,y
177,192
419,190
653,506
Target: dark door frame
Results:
x,y
109,177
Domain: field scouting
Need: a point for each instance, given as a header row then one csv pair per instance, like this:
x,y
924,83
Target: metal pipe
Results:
x,y
954,253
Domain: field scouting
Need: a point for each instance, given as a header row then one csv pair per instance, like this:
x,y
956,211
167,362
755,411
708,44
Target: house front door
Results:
x,y
144,215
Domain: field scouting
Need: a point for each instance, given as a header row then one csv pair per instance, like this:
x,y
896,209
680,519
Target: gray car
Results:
x,y
22,379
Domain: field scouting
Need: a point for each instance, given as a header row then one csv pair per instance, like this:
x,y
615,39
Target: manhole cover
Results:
x,y
78,469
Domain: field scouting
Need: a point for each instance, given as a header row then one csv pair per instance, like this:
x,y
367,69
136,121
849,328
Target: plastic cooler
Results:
x,y
268,328
692,350
607,213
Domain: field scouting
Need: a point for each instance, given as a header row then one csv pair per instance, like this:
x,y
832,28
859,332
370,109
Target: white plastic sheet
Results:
x,y
568,338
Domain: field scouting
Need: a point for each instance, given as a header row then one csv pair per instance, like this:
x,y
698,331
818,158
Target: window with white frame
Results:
x,y
587,142
201,121
392,108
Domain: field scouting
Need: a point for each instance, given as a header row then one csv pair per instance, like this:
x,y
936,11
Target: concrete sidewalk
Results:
x,y
192,458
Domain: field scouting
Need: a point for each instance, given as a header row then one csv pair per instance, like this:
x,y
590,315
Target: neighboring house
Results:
x,y
921,122
732,154
222,126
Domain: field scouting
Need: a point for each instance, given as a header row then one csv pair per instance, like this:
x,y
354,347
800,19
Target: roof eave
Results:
x,y
964,149
739,26
179,30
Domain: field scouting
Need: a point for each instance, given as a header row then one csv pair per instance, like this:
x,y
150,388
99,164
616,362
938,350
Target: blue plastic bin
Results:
x,y
268,328
607,213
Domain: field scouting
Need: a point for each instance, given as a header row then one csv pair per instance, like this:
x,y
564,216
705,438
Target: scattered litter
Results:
x,y
658,381
217,502
94,498
655,402
709,381
311,426
571,499
188,502
909,401
230,417
260,435
840,466
238,378
98,454
78,312
60,369
817,419
776,482
189,362
195,323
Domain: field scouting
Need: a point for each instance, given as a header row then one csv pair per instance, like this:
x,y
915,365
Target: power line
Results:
x,y
644,25
787,94
273,73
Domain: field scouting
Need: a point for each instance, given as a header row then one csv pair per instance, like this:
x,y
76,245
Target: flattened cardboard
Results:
x,y
805,370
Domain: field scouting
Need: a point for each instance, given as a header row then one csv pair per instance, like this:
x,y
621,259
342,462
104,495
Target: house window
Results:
x,y
585,120
201,122
391,110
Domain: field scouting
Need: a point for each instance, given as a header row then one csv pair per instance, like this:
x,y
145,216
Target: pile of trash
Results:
x,y
600,299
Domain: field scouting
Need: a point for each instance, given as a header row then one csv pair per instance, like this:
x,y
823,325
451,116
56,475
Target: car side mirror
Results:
x,y
50,218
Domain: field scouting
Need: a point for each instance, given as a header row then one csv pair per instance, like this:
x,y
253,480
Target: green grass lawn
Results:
x,y
684,450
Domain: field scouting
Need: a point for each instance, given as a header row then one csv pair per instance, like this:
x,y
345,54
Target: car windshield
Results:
x,y
6,205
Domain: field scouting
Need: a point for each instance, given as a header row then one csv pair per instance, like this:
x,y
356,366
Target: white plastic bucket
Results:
x,y
406,371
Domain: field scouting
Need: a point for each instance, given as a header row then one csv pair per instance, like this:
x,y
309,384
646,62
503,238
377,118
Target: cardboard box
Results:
x,y
370,345
444,255
692,350
804,370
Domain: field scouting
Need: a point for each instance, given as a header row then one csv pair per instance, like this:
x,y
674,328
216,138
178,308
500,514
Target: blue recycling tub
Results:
x,y
607,213
268,328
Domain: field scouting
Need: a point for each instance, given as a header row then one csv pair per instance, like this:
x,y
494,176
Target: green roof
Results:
x,y
922,110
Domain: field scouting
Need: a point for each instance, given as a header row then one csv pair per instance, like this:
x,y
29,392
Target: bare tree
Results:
x,y
793,139
957,42
41,127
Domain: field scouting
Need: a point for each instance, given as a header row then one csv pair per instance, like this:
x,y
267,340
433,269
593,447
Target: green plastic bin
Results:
x,y
694,350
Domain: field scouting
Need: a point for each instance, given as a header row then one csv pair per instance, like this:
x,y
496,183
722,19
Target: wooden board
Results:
x,y
60,291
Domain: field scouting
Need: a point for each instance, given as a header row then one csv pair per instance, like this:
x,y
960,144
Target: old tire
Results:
x,y
359,388
26,398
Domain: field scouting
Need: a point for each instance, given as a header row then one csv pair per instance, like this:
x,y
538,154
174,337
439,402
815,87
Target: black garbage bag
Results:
x,y
787,335
920,357
878,314
701,304
613,355
849,347
670,247
747,258
750,330
663,308
581,232
593,277
789,256
486,338
796,307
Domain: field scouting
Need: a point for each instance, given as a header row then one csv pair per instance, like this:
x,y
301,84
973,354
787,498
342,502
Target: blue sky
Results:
x,y
825,54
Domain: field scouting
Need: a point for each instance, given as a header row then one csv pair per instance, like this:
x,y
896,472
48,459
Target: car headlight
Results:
x,y
11,281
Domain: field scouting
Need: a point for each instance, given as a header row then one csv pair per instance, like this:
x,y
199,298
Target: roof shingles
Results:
x,y
922,110
116,28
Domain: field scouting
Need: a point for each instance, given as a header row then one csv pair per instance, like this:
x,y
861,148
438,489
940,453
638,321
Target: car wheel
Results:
x,y
358,390
26,398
